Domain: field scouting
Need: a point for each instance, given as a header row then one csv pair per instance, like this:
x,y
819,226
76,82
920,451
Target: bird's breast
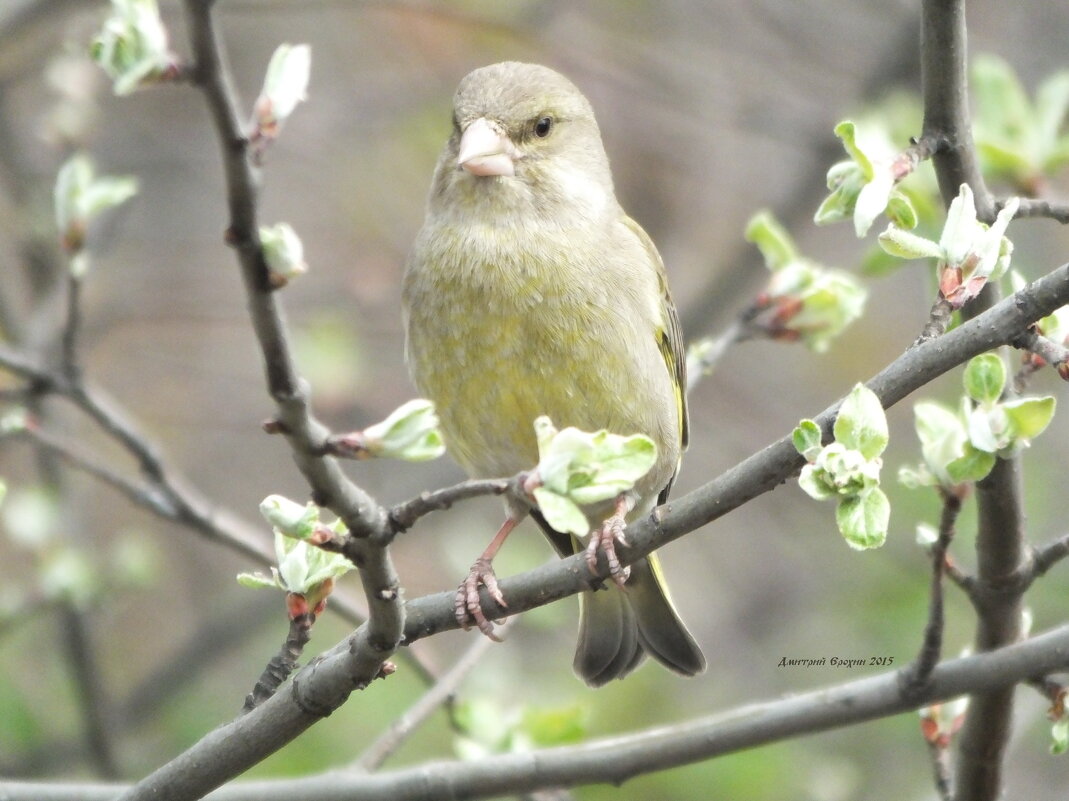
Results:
x,y
504,327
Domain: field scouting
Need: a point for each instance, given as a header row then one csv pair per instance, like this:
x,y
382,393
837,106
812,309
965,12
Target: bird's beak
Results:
x,y
486,150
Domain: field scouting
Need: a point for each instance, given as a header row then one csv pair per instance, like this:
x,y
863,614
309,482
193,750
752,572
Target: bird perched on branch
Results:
x,y
530,292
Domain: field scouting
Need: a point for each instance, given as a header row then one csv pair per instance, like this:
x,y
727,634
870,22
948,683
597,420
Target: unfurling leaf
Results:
x,y
771,239
132,46
283,253
80,196
285,85
807,439
863,519
410,433
985,378
585,468
289,517
861,423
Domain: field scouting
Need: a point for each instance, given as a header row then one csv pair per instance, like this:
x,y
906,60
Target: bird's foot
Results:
x,y
605,538
467,605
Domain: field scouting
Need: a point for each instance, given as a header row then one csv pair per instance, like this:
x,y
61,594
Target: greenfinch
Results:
x,y
530,292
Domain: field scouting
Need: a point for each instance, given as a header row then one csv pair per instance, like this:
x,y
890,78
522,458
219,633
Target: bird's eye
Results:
x,y
542,126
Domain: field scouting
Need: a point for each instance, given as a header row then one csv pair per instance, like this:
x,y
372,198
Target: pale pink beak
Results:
x,y
486,150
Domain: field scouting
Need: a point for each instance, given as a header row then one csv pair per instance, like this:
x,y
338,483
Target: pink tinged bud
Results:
x,y
296,605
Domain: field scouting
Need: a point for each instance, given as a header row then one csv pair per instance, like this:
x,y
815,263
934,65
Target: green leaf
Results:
x,y
847,132
971,466
132,45
31,517
961,227
877,262
863,519
836,206
410,433
916,477
807,439
942,435
901,211
812,484
302,568
591,467
283,252
905,245
556,725
561,513
1000,159
1028,417
257,580
985,378
861,423
1059,734
1052,103
771,239
286,81
987,426
292,519
79,196
872,201
68,574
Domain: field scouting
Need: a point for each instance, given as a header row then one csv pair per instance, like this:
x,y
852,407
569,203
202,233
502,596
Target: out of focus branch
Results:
x,y
617,759
326,683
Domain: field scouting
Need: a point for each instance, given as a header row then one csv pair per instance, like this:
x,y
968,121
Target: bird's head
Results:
x,y
523,134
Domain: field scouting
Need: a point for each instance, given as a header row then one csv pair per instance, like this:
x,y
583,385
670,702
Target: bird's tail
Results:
x,y
617,628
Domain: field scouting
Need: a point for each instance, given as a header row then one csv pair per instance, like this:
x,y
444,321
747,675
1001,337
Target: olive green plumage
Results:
x,y
529,291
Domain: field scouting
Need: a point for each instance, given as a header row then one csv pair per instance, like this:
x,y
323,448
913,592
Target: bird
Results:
x,y
528,291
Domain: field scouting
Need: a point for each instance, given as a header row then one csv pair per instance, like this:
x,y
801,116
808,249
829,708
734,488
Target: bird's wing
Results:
x,y
669,338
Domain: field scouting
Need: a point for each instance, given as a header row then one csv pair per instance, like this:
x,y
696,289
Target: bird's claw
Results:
x,y
467,606
605,538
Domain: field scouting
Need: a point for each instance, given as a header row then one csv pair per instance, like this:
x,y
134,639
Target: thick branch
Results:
x,y
946,105
324,685
997,594
614,759
307,436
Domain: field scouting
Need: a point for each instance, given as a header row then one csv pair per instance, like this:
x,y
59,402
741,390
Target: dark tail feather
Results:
x,y
616,629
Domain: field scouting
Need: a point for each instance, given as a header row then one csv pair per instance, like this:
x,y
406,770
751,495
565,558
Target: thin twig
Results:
x,y
941,771
71,327
403,516
706,353
1046,557
931,648
1035,207
938,320
965,581
441,692
95,705
919,150
282,664
1053,353
147,497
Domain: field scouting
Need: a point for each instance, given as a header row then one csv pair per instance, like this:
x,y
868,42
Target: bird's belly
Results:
x,y
509,362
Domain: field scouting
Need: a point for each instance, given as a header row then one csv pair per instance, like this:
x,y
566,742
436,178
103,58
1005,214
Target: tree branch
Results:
x,y
616,759
946,105
326,683
932,646
440,693
1035,207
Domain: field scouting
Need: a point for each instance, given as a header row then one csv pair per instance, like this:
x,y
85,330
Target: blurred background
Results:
x,y
710,111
